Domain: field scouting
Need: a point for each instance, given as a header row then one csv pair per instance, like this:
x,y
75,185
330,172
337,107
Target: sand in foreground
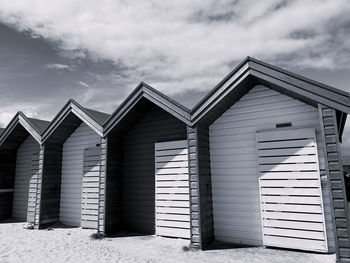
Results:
x,y
18,244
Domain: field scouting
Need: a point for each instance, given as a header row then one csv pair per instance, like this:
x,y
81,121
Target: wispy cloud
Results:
x,y
82,83
182,45
57,66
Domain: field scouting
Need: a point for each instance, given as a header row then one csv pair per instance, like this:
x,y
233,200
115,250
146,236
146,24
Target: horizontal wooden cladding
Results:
x,y
279,135
289,183
78,171
91,187
172,207
291,208
24,162
290,242
34,185
314,226
234,160
173,232
133,163
313,200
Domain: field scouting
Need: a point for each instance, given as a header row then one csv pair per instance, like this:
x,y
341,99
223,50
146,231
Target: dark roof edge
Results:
x,y
7,130
220,84
161,94
300,77
138,88
288,73
66,108
144,88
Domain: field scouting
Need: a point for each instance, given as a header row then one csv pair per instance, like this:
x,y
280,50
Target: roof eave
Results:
x,y
294,83
72,107
20,118
143,90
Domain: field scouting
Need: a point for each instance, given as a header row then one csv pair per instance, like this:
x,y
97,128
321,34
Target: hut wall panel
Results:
x,y
201,194
34,183
172,171
139,167
72,173
23,176
276,172
7,179
335,180
112,151
91,186
49,200
233,161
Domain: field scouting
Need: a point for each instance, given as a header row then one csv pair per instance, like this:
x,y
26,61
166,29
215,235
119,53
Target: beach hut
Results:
x,y
19,151
71,167
145,151
268,161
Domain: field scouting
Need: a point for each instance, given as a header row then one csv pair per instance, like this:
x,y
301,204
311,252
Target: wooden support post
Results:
x,y
335,177
194,188
102,190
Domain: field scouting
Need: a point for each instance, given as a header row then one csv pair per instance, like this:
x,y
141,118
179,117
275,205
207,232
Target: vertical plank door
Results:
x,y
290,190
90,187
172,189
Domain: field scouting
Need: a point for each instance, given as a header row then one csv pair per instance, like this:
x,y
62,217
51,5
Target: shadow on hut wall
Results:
x,y
130,201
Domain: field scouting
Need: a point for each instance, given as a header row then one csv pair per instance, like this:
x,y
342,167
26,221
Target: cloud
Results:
x,y
30,109
189,45
82,83
57,66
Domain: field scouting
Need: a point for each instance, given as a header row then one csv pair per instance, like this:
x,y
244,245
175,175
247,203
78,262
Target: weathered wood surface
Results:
x,y
172,172
335,182
233,161
90,187
22,177
73,164
306,208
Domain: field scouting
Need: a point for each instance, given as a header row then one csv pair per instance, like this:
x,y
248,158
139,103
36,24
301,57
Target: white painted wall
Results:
x,y
23,173
233,157
172,189
72,171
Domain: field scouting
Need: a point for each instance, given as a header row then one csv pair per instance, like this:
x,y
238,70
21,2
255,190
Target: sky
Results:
x,y
97,52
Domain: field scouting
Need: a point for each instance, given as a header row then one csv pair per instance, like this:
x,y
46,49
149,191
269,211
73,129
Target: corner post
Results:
x,y
102,187
335,178
39,179
195,219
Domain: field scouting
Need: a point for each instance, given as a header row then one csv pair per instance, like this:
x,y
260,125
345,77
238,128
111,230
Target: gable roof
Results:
x,y
94,119
258,72
144,90
35,127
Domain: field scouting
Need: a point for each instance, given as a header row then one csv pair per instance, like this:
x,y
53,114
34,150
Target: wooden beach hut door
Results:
x,y
290,190
90,187
172,189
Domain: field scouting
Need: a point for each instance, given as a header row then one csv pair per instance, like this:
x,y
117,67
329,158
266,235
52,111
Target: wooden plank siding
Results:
x,y
102,187
172,189
91,187
335,180
202,233
51,155
7,179
138,207
130,158
233,161
72,175
33,187
289,186
112,152
24,162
